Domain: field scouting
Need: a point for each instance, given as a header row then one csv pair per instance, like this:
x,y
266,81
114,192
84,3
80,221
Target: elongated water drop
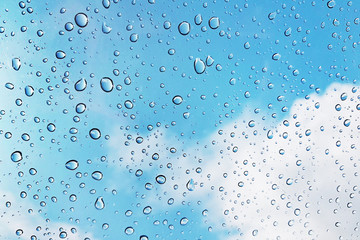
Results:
x,y
199,66
72,164
184,28
106,84
16,64
80,85
99,203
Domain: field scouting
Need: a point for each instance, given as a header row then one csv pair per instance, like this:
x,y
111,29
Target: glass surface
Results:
x,y
159,119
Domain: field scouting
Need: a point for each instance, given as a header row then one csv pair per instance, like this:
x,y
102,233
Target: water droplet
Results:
x,y
287,32
80,85
160,179
106,84
129,231
106,3
16,64
51,127
190,185
276,56
184,221
347,122
128,104
72,164
199,66
95,133
209,61
97,175
99,203
60,54
9,86
134,37
331,4
147,210
214,22
247,45
16,156
69,26
105,28
272,16
80,108
29,91
177,100
81,19
270,134
198,19
184,28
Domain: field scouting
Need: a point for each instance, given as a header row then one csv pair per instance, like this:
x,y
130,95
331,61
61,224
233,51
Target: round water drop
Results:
x,y
147,210
214,22
247,45
60,54
51,127
199,66
160,179
29,91
80,108
343,96
184,28
184,221
16,64
129,231
81,19
331,4
105,28
99,203
106,84
16,156
143,237
69,26
128,104
106,3
105,226
80,85
177,100
62,235
134,37
347,122
190,185
276,56
95,133
97,175
198,19
72,164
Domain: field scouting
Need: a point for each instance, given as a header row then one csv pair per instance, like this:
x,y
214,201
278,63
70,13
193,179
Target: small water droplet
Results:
x,y
106,3
95,133
29,91
97,175
105,28
214,22
198,19
190,185
80,85
177,100
60,54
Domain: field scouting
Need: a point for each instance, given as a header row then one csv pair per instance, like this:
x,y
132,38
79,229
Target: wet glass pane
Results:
x,y
168,119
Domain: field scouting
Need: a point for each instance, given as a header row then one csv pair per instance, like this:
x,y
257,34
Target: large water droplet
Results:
x,y
16,64
60,54
81,19
106,3
72,164
97,175
214,22
199,66
276,56
128,104
16,156
129,231
190,185
80,85
29,91
95,133
99,203
134,37
177,100
184,28
105,28
160,179
106,84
